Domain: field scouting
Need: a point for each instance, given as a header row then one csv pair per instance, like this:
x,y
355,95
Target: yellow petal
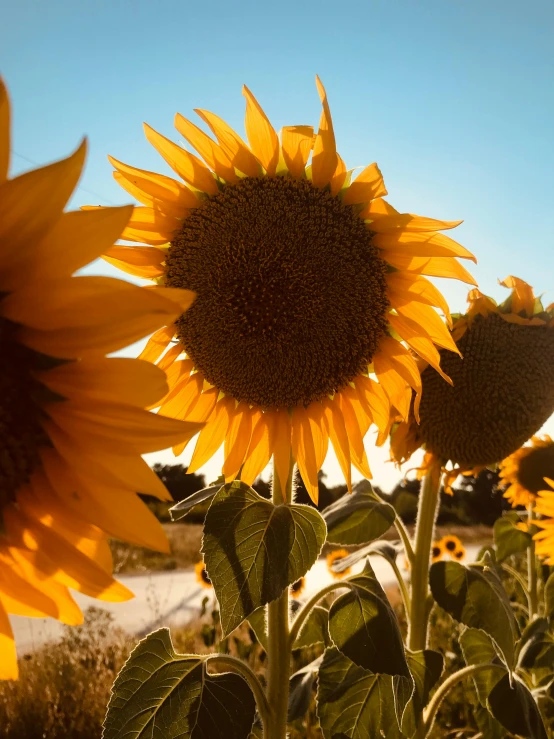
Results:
x,y
169,358
368,185
429,321
296,142
339,438
374,400
420,245
523,298
8,657
237,440
155,190
212,435
185,393
303,449
408,222
31,204
432,266
19,595
141,261
238,152
212,154
115,380
259,449
150,226
281,437
393,355
262,138
418,340
356,427
4,142
339,176
201,410
324,157
185,164
157,343
403,285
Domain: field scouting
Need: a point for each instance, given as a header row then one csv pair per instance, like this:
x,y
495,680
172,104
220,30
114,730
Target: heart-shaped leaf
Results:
x,y
476,598
353,703
300,690
358,518
364,627
478,648
512,703
161,693
253,549
315,629
508,538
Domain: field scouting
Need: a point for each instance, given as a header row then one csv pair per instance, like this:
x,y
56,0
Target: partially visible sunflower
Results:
x,y
297,588
335,556
72,422
202,575
450,543
503,389
437,551
524,471
308,281
459,553
545,538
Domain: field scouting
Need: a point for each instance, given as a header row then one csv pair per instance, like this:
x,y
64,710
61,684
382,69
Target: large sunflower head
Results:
x,y
545,507
73,423
503,388
524,470
308,282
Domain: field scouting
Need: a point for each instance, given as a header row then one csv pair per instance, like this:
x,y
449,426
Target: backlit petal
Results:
x,y
262,138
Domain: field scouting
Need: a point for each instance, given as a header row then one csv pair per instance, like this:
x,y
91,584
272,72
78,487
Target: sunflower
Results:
x,y
297,588
437,551
545,538
72,422
450,543
308,281
335,556
503,389
202,575
524,471
459,553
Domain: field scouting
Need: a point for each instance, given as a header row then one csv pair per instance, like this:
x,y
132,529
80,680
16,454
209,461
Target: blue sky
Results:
x,y
453,98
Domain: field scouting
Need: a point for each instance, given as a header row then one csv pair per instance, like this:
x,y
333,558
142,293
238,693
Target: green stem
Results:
x,y
401,585
424,534
532,579
402,533
435,702
278,651
237,665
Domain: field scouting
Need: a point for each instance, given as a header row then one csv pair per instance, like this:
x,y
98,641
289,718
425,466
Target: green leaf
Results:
x,y
353,703
364,627
258,623
512,704
383,548
358,518
478,648
426,668
180,509
508,539
476,598
253,549
300,690
159,693
536,646
549,597
315,629
489,727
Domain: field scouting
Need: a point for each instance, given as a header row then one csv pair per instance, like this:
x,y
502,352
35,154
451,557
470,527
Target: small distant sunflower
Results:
x,y
503,389
333,557
437,551
459,553
202,575
72,422
297,588
307,283
524,471
450,543
545,538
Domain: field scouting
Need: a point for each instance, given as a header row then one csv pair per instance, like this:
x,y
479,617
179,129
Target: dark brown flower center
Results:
x,y
205,577
437,551
21,432
503,392
292,298
450,545
535,466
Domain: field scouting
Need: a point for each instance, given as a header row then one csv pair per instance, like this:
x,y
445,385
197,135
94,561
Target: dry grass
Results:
x,y
184,539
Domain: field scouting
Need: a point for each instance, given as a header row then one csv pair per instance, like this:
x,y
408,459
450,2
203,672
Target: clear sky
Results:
x,y
453,98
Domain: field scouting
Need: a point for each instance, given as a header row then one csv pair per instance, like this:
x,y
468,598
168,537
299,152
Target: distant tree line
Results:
x,y
476,500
